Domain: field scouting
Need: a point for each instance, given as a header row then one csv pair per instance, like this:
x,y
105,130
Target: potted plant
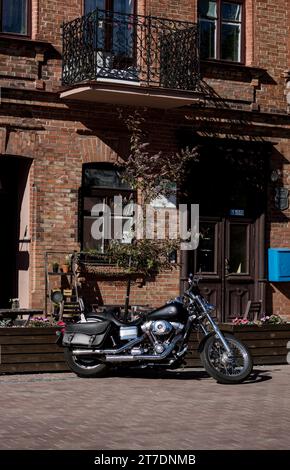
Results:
x,y
55,267
14,304
67,266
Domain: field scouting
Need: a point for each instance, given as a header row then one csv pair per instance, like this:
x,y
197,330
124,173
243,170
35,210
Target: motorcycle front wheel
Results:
x,y
226,370
84,366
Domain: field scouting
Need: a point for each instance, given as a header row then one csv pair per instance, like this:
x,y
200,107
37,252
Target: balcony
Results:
x,y
130,59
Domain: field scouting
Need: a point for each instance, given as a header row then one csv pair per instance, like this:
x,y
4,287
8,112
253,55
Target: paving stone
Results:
x,y
145,410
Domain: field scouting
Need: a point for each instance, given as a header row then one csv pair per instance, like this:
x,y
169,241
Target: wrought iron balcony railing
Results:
x,y
156,51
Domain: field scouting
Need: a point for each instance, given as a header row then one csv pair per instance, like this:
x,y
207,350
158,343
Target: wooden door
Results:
x,y
238,266
225,260
229,182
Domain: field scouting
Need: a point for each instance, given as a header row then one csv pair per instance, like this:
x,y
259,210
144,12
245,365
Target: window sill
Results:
x,y
9,38
229,65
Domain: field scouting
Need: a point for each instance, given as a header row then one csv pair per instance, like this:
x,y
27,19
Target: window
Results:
x,y
114,33
221,29
99,215
119,6
15,17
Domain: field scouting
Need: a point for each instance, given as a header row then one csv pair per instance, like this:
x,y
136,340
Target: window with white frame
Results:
x,y
102,184
221,29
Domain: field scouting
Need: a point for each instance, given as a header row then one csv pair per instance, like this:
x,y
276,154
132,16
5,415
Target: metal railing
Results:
x,y
155,51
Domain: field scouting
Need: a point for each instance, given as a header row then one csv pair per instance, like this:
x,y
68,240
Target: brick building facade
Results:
x,y
238,113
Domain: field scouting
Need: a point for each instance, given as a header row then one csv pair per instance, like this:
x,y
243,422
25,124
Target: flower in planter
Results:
x,y
265,320
241,321
273,319
41,322
62,325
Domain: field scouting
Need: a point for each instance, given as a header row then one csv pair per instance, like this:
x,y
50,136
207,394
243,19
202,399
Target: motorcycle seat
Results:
x,y
89,328
110,315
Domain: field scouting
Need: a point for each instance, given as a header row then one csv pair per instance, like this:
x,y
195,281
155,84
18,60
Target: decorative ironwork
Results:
x,y
156,51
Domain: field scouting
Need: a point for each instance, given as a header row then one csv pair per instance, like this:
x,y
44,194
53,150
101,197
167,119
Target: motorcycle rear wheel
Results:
x,y
216,363
84,366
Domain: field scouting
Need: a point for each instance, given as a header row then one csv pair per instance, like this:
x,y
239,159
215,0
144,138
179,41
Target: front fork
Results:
x,y
216,329
218,334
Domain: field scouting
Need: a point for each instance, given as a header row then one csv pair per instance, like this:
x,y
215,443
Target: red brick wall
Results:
x,y
278,229
249,31
176,9
60,137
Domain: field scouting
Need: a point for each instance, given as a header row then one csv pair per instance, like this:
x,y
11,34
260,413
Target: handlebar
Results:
x,y
193,281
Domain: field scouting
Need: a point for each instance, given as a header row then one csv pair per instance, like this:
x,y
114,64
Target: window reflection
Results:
x,y
231,11
103,188
14,16
205,256
238,249
230,42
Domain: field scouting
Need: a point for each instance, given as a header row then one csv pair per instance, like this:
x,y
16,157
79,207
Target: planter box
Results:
x,y
34,349
268,344
30,350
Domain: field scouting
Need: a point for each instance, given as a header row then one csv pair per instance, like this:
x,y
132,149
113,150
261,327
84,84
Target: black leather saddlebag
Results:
x,y
89,334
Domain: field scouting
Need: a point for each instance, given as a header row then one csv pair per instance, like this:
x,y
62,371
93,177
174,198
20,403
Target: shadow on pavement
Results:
x,y
159,374
257,375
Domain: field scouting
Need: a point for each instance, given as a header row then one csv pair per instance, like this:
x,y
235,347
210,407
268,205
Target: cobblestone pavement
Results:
x,y
142,410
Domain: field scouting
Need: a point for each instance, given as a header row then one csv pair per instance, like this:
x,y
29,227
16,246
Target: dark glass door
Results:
x,y
225,259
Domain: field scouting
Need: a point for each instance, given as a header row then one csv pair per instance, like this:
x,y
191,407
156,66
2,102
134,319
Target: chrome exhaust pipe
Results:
x,y
85,352
147,357
112,355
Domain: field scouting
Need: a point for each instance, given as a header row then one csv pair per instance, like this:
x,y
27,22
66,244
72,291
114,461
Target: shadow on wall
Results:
x,y
278,289
228,71
276,216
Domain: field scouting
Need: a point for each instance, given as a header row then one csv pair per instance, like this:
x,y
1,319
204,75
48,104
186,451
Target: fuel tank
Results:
x,y
173,311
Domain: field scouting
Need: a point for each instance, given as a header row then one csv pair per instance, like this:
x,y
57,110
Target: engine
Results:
x,y
161,327
161,332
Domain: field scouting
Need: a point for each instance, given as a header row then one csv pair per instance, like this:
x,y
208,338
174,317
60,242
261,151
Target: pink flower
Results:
x,y
62,324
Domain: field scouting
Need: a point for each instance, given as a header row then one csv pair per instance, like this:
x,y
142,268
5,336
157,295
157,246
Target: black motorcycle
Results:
x,y
158,338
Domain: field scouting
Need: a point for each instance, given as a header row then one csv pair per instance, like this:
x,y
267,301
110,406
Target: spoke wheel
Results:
x,y
84,366
234,368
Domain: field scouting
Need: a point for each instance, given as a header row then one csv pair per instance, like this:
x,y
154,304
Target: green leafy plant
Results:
x,y
14,303
6,323
273,319
145,257
55,267
152,172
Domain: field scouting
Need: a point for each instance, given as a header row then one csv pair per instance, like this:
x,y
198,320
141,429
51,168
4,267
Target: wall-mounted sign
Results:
x,y
237,212
281,198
